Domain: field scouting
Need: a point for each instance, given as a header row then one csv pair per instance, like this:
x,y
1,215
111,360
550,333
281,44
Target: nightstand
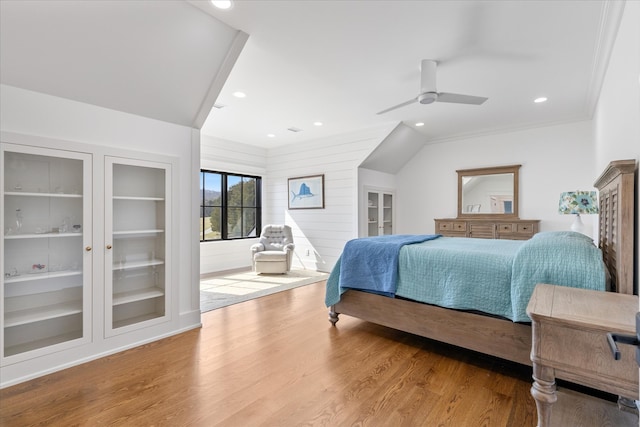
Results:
x,y
569,328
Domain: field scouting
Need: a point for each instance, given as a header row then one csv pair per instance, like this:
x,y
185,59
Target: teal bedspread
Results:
x,y
492,276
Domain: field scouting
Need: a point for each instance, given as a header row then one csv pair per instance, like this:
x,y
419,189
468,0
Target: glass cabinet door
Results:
x,y
137,242
379,213
46,249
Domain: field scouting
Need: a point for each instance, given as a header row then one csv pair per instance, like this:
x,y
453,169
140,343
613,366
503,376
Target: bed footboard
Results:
x,y
493,336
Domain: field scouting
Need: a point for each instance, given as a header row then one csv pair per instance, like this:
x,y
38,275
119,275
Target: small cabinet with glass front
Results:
x,y
137,238
46,250
379,211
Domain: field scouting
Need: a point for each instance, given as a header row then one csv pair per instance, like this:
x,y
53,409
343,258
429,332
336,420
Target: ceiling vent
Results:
x,y
219,106
294,129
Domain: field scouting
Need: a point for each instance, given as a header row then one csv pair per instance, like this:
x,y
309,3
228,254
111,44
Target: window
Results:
x,y
230,207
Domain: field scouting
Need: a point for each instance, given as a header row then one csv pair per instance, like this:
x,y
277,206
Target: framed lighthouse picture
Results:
x,y
306,192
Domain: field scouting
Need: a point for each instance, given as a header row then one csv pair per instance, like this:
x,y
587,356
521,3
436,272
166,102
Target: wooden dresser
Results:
x,y
483,228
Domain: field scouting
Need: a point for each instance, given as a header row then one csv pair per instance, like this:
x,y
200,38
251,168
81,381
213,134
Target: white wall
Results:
x,y
232,157
554,159
617,118
616,123
65,123
320,233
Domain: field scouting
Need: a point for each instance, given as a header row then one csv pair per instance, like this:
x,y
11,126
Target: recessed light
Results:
x,y
539,100
239,94
222,4
419,124
270,135
317,123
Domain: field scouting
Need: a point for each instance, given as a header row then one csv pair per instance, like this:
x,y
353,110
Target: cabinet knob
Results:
x,y
88,249
109,246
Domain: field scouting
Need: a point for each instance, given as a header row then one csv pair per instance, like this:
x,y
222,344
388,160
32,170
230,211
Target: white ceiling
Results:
x,y
340,62
159,59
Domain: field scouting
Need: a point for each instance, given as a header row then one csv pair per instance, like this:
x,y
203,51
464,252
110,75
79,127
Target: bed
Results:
x,y
499,334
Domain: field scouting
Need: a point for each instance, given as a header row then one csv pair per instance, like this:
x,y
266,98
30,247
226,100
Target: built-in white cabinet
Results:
x,y
86,249
379,212
136,257
46,250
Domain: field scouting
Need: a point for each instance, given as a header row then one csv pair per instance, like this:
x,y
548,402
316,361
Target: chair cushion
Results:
x,y
266,256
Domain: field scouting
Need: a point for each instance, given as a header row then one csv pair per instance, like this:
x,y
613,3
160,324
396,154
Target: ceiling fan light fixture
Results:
x,y
428,98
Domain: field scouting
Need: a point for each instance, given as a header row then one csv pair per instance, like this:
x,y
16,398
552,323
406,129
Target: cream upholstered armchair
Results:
x,y
274,251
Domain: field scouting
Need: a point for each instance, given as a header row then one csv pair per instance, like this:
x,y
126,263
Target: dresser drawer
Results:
x,y
526,228
451,226
486,228
506,228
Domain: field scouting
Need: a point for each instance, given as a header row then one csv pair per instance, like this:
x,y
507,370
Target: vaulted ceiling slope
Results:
x,y
341,62
165,60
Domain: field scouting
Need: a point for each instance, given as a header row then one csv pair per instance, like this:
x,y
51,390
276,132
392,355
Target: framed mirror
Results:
x,y
488,192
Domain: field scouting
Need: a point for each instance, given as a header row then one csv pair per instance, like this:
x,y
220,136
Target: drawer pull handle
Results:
x,y
614,338
88,249
109,246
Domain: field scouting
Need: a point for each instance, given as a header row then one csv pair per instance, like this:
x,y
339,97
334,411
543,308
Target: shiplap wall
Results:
x,y
320,234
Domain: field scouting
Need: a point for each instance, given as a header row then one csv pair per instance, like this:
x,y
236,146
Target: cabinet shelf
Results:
x,y
42,276
31,315
134,320
45,342
32,194
130,265
136,295
117,234
147,199
40,235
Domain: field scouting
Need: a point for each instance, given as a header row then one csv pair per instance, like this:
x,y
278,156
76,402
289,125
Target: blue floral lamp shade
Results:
x,y
576,203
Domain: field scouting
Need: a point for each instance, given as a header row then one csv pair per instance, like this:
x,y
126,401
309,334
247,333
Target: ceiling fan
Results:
x,y
429,94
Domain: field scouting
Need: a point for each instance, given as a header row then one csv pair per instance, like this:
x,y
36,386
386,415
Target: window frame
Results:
x,y
224,205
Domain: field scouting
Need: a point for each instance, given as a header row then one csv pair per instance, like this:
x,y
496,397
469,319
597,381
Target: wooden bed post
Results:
x,y
333,316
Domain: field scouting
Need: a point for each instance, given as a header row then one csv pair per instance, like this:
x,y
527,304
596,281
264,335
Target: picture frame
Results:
x,y
306,192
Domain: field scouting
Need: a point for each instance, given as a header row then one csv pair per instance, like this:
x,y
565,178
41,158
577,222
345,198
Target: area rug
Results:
x,y
221,291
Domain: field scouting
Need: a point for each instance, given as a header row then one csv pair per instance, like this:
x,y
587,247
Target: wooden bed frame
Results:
x,y
496,336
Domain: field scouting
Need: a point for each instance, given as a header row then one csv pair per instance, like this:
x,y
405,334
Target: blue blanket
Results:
x,y
371,263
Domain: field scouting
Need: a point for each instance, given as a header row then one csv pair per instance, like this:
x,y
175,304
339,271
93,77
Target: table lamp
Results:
x,y
576,203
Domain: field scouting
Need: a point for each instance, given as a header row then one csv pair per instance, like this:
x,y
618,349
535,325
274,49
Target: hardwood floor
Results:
x,y
277,361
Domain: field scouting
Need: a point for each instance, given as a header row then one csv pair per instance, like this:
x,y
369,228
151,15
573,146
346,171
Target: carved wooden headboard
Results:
x,y
617,222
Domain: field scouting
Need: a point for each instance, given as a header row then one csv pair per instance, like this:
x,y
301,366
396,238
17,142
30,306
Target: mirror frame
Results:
x,y
514,169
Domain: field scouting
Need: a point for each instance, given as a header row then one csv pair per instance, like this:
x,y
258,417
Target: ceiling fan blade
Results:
x,y
460,99
411,101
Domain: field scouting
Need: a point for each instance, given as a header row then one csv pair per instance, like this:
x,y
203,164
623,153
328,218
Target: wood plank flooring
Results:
x,y
277,361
